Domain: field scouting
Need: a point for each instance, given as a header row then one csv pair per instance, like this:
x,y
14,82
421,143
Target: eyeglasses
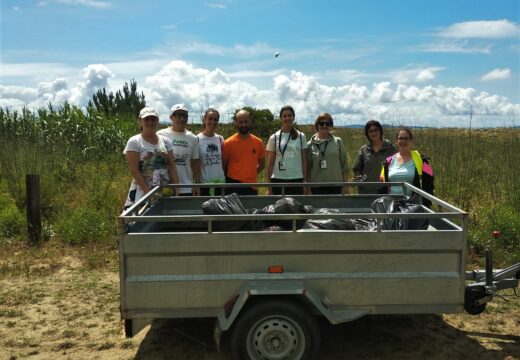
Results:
x,y
181,115
324,123
404,139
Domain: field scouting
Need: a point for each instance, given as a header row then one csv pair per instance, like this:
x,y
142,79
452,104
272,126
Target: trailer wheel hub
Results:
x,y
276,338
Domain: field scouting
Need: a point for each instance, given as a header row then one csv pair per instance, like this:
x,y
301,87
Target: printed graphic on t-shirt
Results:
x,y
153,166
180,151
212,156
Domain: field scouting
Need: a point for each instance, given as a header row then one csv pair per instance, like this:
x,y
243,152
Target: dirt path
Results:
x,y
71,313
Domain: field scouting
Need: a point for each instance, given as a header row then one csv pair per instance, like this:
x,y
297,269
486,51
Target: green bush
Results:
x,y
507,247
12,221
83,225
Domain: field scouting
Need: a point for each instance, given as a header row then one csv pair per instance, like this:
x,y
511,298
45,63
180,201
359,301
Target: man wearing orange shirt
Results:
x,y
243,155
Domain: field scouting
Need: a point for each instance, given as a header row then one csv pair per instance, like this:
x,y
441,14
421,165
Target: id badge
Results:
x,y
281,166
323,164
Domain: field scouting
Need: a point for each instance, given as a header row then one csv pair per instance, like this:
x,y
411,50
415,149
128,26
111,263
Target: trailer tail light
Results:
x,y
495,234
275,269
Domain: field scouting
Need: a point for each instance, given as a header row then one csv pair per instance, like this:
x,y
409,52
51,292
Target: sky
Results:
x,y
403,62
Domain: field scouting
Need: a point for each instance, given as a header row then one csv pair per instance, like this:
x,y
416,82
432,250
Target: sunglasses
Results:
x,y
404,139
150,118
181,115
324,123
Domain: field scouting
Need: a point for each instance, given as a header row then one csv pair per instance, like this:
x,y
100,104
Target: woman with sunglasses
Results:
x,y
150,158
210,152
367,166
409,166
287,153
326,158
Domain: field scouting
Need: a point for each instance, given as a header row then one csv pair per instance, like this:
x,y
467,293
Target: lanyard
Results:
x,y
280,144
324,148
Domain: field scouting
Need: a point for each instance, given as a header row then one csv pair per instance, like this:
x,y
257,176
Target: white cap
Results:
x,y
178,107
148,111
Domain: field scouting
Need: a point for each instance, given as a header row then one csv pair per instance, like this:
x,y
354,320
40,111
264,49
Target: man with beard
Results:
x,y
243,155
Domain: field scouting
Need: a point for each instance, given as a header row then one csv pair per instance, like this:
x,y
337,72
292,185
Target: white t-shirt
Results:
x,y
153,164
292,154
210,153
185,149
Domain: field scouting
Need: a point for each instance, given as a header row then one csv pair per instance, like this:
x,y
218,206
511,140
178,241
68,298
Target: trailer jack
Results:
x,y
488,282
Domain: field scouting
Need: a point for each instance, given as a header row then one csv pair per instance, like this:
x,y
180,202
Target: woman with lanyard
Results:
x,y
287,158
326,158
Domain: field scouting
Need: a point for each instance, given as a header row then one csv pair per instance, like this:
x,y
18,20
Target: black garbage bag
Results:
x,y
388,205
227,205
336,224
286,205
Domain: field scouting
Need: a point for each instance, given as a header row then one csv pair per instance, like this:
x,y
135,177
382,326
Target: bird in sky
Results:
x,y
276,54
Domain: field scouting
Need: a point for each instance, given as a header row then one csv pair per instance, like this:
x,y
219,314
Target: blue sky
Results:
x,y
412,62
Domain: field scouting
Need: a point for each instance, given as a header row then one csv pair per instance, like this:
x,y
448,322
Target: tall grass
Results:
x,y
85,177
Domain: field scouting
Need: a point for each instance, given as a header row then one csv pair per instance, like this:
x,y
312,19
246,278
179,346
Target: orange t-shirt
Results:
x,y
242,157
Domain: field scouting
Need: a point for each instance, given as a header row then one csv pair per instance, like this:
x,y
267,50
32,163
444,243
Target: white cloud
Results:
x,y
425,75
88,3
16,8
457,47
494,29
409,74
95,77
349,102
216,5
236,51
497,74
36,71
414,74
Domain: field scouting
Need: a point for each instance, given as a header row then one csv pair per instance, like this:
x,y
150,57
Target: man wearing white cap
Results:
x,y
185,149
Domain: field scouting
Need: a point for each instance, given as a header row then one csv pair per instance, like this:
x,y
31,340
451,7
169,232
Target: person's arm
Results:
x,y
309,166
225,157
261,165
261,157
195,168
133,165
304,170
359,166
172,171
270,166
344,163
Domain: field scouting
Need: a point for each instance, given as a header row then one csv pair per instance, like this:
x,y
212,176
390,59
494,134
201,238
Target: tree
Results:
x,y
125,103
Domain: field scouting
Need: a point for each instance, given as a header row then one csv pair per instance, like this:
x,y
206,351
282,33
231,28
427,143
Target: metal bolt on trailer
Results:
x,y
266,287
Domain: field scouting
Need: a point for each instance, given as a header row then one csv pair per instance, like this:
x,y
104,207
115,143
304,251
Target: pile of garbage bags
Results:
x,y
231,205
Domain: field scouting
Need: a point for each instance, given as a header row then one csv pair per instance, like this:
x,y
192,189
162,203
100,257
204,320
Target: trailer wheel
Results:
x,y
471,295
275,329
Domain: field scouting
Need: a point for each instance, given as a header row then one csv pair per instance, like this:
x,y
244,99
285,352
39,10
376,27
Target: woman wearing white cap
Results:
x,y
185,149
150,157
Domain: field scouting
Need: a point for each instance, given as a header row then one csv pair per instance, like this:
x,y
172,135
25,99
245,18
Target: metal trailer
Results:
x,y
266,287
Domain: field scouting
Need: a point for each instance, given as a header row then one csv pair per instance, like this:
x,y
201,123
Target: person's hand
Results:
x,y
177,191
269,191
195,191
346,190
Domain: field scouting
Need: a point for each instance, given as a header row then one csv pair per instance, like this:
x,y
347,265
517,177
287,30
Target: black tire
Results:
x,y
471,295
275,330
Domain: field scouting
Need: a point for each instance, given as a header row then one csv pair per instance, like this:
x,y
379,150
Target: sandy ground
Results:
x,y
59,310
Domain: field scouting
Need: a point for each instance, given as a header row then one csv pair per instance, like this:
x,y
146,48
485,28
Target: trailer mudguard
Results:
x,y
231,310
